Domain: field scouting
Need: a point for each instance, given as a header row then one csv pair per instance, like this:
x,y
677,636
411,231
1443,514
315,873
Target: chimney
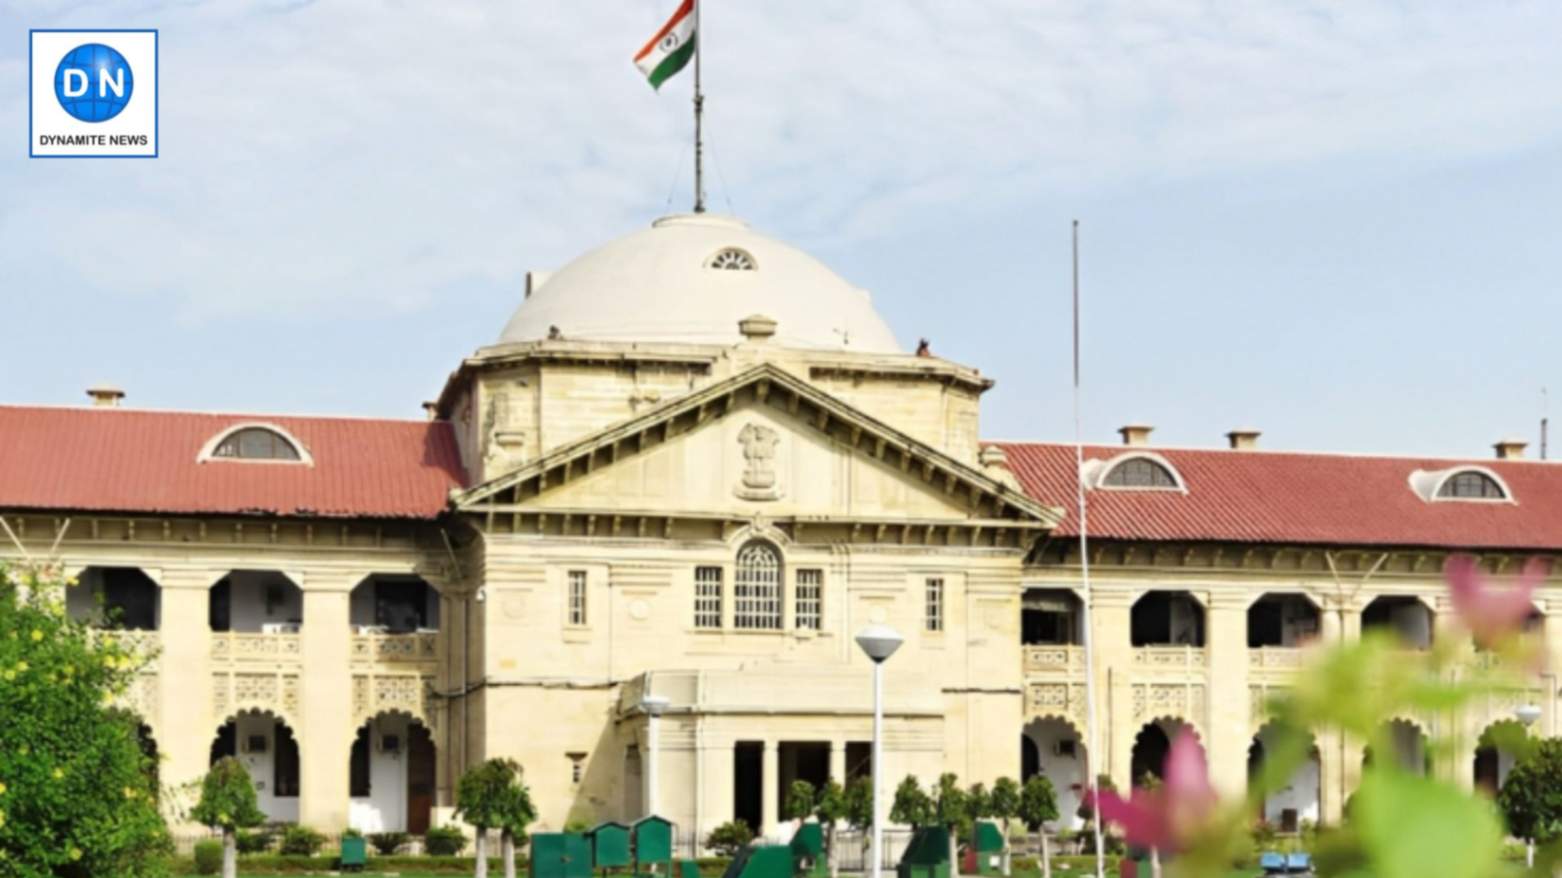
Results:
x,y
1510,449
431,409
105,395
1243,438
1136,434
757,327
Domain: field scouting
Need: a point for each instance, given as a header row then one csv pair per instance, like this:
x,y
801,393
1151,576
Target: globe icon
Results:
x,y
93,82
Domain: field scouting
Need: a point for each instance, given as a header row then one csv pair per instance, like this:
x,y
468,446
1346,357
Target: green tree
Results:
x,y
831,808
800,800
858,802
951,810
979,802
729,838
493,795
77,796
1004,805
228,804
1531,795
1039,805
911,806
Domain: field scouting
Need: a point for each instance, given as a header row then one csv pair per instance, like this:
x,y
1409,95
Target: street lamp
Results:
x,y
878,642
654,706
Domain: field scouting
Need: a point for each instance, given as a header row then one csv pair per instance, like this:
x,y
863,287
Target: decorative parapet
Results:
x,y
234,692
1170,658
421,648
1184,701
1062,700
408,693
1275,658
141,643
244,647
1054,659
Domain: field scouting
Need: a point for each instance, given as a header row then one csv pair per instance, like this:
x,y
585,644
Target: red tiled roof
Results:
x,y
1282,497
124,460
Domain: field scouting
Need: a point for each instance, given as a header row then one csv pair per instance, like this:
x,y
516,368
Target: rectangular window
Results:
x,y
935,603
810,598
577,597
707,597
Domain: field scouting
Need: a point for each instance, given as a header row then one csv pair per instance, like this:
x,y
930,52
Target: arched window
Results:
x,y
1139,472
1471,485
256,443
732,259
757,592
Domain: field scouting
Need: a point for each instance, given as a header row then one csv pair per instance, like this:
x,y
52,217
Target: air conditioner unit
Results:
x,y
1063,748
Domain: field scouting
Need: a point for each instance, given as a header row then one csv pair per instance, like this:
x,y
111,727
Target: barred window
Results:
x,y
935,604
757,589
1139,472
1471,485
707,597
256,443
577,597
810,598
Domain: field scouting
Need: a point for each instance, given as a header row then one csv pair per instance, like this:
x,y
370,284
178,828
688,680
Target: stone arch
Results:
x,y
1295,799
392,774
1062,757
267,745
1152,743
1496,750
1168,617
1410,744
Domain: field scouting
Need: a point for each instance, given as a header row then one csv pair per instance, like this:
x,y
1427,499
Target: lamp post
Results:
x,y
1526,714
878,642
654,706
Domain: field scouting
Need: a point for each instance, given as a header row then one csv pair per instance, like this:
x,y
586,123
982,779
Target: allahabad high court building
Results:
x,y
693,465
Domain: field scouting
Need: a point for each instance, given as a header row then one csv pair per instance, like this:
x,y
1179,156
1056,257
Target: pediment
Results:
x,y
763,443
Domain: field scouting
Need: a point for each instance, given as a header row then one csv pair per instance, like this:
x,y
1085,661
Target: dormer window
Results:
x,y
1460,484
731,259
1133,471
255,442
1471,485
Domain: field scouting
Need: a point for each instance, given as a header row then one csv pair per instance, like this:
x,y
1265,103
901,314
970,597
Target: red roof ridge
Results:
x,y
1358,455
256,416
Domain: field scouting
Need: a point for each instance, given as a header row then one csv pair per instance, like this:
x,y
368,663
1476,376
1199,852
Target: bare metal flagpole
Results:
x,y
699,113
1093,753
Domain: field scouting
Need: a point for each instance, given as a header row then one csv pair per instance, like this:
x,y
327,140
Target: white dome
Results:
x,y
691,278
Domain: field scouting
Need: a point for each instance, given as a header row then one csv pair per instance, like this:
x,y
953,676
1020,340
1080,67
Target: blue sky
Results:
x,y
1335,221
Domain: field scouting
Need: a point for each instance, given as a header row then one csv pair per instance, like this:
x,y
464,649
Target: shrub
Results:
x,y
444,841
208,857
300,841
257,842
80,796
351,832
388,843
729,838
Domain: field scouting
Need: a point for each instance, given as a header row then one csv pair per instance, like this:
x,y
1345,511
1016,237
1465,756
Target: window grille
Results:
x,y
1471,486
256,443
757,589
732,259
577,597
1139,472
707,597
810,598
935,604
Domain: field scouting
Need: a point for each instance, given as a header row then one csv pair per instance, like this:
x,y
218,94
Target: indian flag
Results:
x,y
672,47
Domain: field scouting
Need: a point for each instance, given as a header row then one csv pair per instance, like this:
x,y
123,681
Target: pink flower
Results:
x,y
1492,613
1167,817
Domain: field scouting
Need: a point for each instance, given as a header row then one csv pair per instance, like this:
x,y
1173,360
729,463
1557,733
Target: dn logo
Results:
x,y
93,82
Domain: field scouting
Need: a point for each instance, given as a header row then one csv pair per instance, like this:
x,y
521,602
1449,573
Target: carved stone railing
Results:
x,y
1058,658
1170,658
421,648
1275,658
142,643
243,647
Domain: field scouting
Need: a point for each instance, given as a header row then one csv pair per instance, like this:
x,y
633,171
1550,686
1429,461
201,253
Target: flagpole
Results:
x,y
1093,754
699,113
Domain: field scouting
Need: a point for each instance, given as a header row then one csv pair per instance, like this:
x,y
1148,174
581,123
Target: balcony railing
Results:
x,y
142,643
1050,658
1170,657
245,646
1274,658
375,648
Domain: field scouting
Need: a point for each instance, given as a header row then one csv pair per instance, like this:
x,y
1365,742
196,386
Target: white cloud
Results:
x,y
332,156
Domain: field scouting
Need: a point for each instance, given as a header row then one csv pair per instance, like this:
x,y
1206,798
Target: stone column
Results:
x,y
325,712
1110,618
770,784
184,723
838,762
1452,742
1229,724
